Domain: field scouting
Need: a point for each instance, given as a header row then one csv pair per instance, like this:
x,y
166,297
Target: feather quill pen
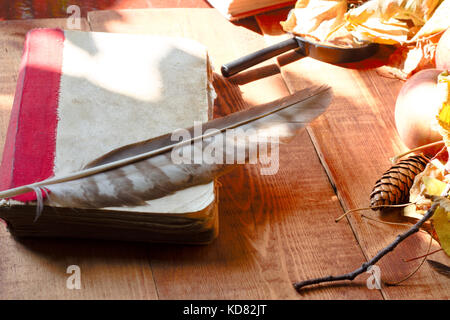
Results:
x,y
133,174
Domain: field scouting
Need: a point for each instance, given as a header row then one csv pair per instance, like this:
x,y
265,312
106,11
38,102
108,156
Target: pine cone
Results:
x,y
393,187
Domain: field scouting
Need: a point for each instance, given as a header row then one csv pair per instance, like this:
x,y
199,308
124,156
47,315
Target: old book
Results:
x,y
82,94
238,9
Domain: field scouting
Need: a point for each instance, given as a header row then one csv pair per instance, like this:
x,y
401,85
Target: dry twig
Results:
x,y
365,266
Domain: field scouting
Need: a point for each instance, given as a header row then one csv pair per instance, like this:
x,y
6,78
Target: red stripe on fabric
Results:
x,y
31,139
6,169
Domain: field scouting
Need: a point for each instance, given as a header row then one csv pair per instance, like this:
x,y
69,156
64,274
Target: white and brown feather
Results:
x,y
118,179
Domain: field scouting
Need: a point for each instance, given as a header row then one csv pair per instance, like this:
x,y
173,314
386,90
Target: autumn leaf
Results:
x,y
394,21
441,224
316,18
444,112
382,21
438,22
413,26
441,217
428,182
418,11
433,182
433,186
443,202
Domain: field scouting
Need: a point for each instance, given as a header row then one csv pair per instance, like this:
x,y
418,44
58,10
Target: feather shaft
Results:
x,y
143,171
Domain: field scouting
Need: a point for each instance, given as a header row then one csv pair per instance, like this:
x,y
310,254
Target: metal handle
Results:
x,y
254,58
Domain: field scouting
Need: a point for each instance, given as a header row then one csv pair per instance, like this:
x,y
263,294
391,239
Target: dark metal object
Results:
x,y
326,53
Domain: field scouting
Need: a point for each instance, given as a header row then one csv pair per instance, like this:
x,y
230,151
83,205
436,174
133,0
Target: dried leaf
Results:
x,y
414,26
412,212
433,187
438,22
418,11
418,191
441,218
431,181
434,180
442,201
441,224
385,32
410,59
391,21
444,112
440,267
318,19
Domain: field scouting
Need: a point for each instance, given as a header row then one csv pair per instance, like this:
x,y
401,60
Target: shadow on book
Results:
x,y
94,100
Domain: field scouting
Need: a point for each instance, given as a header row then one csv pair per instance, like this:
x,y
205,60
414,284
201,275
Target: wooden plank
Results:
x,y
36,269
354,140
272,228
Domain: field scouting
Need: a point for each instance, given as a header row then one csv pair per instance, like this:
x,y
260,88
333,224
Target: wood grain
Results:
x,y
355,140
272,229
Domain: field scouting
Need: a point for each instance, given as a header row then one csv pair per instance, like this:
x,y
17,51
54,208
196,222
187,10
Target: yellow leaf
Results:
x,y
412,212
438,22
441,224
382,21
316,18
444,89
443,202
433,187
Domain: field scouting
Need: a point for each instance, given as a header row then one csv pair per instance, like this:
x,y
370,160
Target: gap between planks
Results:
x,y
340,198
155,21
149,260
271,40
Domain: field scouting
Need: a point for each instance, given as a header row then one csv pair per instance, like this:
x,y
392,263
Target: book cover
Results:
x,y
80,95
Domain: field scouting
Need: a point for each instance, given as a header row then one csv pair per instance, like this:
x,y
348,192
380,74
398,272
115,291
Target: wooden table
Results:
x,y
274,230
